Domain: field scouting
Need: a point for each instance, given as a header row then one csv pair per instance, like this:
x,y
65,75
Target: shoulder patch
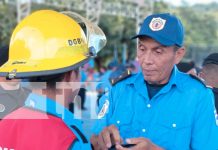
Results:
x,y
201,81
103,110
124,75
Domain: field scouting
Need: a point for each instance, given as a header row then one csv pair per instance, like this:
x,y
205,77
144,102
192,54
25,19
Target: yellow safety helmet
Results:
x,y
49,42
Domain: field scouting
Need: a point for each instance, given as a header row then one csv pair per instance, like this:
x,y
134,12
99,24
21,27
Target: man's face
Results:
x,y
156,60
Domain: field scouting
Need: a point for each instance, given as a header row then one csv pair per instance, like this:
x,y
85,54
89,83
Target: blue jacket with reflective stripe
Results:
x,y
51,107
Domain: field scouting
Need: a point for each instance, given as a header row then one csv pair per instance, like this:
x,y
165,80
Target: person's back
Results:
x,y
48,57
36,125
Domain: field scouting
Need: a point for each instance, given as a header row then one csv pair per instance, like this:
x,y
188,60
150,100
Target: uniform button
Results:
x,y
143,130
118,121
149,105
174,125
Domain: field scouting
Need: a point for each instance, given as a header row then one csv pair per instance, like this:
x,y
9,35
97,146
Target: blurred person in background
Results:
x,y
121,72
105,78
49,47
105,84
131,67
81,93
209,74
187,67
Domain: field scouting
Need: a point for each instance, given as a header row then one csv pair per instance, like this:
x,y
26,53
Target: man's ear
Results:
x,y
180,54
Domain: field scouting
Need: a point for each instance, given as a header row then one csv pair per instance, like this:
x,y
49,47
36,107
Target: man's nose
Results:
x,y
147,58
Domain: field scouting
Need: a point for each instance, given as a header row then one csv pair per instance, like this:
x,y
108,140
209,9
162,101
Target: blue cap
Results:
x,y
163,28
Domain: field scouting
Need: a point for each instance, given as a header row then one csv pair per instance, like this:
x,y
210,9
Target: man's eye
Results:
x,y
158,51
142,49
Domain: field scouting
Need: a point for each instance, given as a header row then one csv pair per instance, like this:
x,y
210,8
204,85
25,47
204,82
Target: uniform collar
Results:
x,y
51,107
175,80
138,82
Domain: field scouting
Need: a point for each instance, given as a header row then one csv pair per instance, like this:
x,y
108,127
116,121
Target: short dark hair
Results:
x,y
211,59
185,66
176,48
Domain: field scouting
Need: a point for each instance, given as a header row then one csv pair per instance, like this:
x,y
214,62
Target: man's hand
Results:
x,y
108,137
140,144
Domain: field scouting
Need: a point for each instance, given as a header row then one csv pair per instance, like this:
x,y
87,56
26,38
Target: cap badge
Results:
x,y
157,24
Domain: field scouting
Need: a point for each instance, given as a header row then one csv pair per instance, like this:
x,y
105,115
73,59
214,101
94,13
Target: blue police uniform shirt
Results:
x,y
180,116
51,107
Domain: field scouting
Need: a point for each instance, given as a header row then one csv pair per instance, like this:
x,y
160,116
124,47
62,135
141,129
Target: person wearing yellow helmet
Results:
x,y
49,47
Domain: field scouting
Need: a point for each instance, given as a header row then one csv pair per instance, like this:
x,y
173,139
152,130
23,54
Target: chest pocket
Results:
x,y
122,119
172,131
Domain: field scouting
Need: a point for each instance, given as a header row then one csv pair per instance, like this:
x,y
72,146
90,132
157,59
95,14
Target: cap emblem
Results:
x,y
157,24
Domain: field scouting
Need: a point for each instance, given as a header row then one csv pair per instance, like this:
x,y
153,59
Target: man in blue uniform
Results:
x,y
160,107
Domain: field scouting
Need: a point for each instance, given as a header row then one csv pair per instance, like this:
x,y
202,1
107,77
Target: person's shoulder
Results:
x,y
198,82
121,85
125,78
28,113
36,124
195,79
38,119
192,81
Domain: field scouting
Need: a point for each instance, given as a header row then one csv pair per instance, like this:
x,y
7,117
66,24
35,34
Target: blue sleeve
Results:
x,y
78,146
204,129
104,113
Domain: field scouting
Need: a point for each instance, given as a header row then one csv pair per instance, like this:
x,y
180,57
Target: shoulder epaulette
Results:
x,y
201,81
122,76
